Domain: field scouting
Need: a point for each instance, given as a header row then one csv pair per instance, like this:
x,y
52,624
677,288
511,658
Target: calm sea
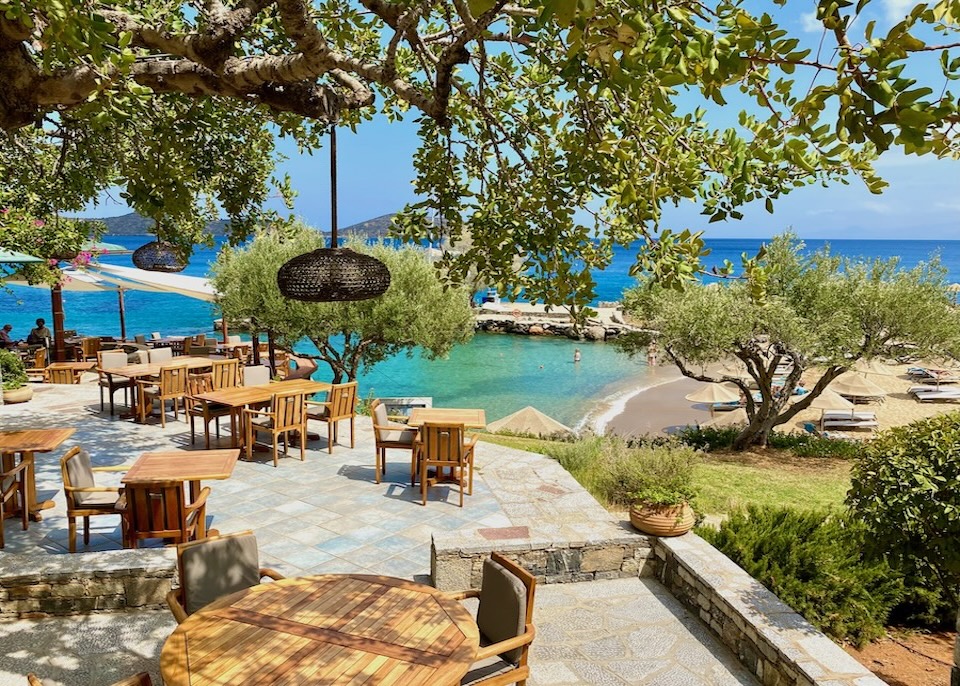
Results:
x,y
498,373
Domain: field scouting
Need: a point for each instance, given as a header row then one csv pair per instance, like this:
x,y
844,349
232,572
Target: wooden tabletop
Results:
x,y
73,366
182,465
240,396
33,440
472,419
153,369
330,629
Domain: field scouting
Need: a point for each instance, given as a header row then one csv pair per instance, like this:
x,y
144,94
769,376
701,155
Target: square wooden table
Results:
x,y
238,397
332,629
471,419
182,465
26,442
143,370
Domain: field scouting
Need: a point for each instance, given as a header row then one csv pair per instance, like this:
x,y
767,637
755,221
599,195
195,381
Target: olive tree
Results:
x,y
801,310
416,312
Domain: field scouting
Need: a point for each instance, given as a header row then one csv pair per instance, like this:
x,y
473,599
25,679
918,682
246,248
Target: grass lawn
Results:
x,y
727,480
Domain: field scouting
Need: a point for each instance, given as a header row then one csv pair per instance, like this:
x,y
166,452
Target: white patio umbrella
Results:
x,y
190,286
529,420
14,257
856,385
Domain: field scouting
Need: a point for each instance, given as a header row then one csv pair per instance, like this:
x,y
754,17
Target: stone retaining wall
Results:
x,y
457,565
768,637
34,586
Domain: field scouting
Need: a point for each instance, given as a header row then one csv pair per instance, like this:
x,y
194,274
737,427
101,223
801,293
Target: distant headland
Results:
x,y
133,224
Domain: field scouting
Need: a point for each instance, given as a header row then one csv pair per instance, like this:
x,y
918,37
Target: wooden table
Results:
x,y
471,419
239,397
182,465
73,366
26,442
330,629
146,369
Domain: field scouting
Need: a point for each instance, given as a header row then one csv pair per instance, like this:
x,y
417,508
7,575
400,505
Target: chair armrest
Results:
x,y
271,573
471,440
16,470
247,410
115,468
92,489
200,502
173,600
526,638
317,402
462,595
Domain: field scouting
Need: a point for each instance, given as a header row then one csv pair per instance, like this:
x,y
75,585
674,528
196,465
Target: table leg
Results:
x,y
194,491
33,505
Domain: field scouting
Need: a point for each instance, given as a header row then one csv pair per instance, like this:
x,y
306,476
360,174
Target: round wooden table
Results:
x,y
328,629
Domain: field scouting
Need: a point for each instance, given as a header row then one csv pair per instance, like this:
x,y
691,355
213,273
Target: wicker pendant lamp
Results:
x,y
333,274
159,256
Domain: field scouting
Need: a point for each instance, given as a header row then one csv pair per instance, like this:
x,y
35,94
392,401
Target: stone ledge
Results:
x,y
59,585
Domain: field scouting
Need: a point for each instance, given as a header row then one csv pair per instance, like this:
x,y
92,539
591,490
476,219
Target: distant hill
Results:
x,y
133,224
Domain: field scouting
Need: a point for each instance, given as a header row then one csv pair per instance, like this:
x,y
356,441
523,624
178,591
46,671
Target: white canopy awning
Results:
x,y
139,279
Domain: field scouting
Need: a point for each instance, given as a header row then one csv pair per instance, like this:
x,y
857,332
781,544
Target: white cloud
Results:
x,y
809,22
877,206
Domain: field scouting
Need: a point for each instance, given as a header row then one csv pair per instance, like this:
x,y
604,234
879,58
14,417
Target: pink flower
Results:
x,y
38,223
5,210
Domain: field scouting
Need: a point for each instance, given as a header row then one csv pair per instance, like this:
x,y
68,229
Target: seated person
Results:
x,y
39,335
5,340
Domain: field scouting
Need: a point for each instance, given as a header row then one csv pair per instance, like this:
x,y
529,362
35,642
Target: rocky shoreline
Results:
x,y
526,319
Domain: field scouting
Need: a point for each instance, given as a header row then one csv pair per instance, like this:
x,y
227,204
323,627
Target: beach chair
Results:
x,y
505,620
84,498
445,447
214,567
341,403
287,413
390,435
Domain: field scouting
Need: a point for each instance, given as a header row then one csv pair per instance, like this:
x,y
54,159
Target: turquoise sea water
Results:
x,y
498,373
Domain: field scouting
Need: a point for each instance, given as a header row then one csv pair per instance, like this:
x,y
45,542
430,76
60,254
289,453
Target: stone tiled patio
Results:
x,y
326,515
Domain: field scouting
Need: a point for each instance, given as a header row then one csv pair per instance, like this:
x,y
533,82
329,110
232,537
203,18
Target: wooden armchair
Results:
x,y
13,489
341,404
89,347
38,372
107,360
445,446
287,413
208,412
63,376
214,567
172,386
84,498
141,679
505,619
160,510
390,435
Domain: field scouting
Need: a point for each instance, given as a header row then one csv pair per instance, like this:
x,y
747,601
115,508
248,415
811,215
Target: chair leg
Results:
x,y
101,399
163,413
193,435
303,442
470,489
86,530
423,482
72,534
276,449
352,437
249,440
381,457
330,438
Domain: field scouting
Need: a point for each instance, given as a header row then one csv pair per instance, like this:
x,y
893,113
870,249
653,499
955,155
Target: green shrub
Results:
x,y
661,475
906,491
813,562
13,371
709,438
584,460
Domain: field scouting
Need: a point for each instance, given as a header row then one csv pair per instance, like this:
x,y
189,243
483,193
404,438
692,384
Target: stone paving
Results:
x,y
326,515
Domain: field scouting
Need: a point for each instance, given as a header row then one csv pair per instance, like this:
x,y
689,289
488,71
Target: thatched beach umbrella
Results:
x,y
872,366
736,418
831,400
856,385
531,421
715,393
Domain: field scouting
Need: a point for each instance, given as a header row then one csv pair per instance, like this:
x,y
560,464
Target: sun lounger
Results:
x,y
846,414
926,394
851,423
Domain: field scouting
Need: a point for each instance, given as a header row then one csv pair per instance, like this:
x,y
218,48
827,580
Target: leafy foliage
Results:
x,y
13,371
814,563
415,312
803,445
906,491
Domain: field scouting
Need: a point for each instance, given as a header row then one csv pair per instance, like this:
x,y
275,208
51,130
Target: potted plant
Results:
x,y
656,482
14,375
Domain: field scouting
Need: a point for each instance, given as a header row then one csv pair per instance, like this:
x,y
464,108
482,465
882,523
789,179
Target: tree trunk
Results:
x,y
757,433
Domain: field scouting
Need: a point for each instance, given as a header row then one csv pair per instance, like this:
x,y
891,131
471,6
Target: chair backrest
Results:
x,y
442,442
77,472
156,510
289,410
343,400
226,373
89,346
378,412
111,359
62,376
139,357
140,339
155,336
186,346
173,381
211,568
256,375
506,603
234,339
200,339
161,354
199,383
40,358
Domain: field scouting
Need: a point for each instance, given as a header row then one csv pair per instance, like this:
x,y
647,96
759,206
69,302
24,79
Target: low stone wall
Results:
x,y
457,564
767,636
56,585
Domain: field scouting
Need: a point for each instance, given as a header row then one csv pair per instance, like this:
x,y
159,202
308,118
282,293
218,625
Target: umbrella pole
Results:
x,y
123,322
223,327
56,304
272,352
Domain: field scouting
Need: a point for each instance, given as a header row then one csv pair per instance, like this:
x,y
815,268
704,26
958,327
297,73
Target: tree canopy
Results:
x,y
811,310
416,310
552,129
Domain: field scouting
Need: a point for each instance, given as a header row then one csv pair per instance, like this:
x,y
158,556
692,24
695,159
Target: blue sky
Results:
x,y
922,201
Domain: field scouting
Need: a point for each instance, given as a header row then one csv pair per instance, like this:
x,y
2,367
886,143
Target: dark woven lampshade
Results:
x,y
159,256
333,274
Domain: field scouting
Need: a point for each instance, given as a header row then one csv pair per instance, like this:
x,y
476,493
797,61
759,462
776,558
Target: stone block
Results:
x,y
563,561
602,559
453,574
146,591
29,591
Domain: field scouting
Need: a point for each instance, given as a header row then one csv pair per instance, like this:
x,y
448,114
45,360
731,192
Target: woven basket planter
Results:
x,y
333,274
662,520
159,256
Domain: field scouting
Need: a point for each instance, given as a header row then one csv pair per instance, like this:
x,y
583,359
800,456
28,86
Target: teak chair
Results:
x,y
89,347
208,412
287,413
63,376
141,679
226,373
341,404
107,360
164,354
160,510
214,567
389,435
13,488
172,386
505,620
84,498
38,372
445,446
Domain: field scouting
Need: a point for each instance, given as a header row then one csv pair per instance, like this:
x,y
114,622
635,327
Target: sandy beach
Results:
x,y
662,408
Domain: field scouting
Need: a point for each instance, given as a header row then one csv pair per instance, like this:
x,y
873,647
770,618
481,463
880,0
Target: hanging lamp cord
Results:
x,y
333,186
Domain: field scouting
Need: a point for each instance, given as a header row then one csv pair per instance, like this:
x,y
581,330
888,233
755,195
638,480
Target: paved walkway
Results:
x,y
326,515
